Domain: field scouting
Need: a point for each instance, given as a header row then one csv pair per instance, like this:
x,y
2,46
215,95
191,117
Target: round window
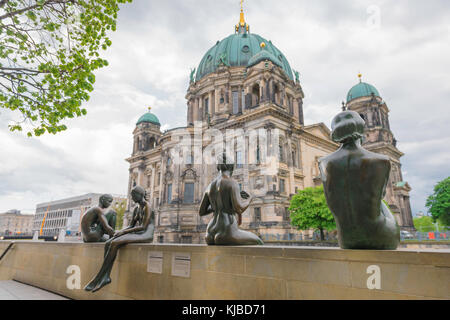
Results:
x,y
245,49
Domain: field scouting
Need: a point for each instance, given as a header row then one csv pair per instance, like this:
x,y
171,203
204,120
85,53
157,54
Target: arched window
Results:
x,y
255,95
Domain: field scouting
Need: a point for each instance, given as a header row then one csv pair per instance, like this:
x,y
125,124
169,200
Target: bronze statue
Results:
x,y
99,222
224,198
140,231
355,183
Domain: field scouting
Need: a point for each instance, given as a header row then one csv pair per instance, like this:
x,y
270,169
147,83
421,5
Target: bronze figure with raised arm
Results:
x,y
355,181
99,222
224,199
140,230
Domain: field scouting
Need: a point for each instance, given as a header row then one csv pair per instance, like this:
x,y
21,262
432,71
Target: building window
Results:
x,y
190,158
294,159
281,153
257,213
235,102
169,193
169,161
239,160
186,239
188,193
243,99
160,239
282,186
287,215
206,106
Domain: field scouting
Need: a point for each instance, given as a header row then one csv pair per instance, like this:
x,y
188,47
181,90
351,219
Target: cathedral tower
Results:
x,y
366,100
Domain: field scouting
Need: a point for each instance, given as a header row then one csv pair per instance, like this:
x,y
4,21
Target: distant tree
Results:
x,y
424,224
120,207
438,203
49,50
309,210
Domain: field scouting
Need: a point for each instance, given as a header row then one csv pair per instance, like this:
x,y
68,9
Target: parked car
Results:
x,y
406,235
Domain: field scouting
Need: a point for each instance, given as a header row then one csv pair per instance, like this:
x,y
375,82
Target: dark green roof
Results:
x,y
237,50
150,118
362,89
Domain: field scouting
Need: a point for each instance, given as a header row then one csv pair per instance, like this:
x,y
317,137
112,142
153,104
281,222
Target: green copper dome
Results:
x,y
263,55
238,50
362,89
150,118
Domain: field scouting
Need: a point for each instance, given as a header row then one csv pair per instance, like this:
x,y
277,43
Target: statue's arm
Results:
x,y
239,204
205,206
101,217
148,218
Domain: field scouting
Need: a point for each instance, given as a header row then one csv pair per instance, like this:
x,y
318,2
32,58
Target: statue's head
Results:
x,y
223,163
138,194
347,125
106,200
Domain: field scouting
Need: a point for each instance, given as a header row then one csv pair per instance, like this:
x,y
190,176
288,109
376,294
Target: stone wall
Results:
x,y
246,273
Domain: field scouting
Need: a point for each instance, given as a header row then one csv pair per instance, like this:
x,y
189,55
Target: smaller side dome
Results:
x,y
362,89
149,118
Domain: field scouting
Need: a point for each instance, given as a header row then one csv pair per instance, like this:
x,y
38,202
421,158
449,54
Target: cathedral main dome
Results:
x,y
237,50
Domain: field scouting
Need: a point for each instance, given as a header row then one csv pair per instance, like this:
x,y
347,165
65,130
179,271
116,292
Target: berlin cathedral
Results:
x,y
246,83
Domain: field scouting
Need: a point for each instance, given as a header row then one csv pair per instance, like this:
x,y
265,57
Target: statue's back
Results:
x,y
354,184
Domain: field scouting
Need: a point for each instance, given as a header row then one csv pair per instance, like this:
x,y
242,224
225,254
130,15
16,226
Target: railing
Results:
x,y
426,236
410,236
6,251
296,237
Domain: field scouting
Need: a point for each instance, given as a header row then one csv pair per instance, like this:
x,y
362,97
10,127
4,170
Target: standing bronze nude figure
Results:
x,y
98,222
355,183
140,230
224,198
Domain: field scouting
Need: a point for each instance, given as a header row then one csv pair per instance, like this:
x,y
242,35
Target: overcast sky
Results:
x,y
400,47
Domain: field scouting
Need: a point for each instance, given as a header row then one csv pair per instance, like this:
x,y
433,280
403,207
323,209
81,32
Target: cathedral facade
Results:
x,y
243,98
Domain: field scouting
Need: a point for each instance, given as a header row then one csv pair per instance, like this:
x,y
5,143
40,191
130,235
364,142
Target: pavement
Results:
x,y
13,290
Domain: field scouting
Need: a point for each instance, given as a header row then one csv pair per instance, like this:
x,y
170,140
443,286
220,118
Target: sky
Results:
x,y
400,47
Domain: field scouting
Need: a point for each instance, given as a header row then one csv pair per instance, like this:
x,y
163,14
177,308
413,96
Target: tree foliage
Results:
x,y
119,207
438,203
425,224
309,210
49,50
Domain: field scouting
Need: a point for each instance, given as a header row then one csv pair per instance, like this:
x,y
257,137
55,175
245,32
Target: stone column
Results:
x,y
152,185
291,166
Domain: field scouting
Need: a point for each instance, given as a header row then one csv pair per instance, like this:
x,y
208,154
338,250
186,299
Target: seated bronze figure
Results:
x,y
99,222
355,183
141,230
224,198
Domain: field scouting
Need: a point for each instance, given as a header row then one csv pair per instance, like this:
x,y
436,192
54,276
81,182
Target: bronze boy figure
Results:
x,y
98,222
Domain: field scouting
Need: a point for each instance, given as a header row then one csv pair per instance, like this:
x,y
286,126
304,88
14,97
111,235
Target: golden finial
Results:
x,y
360,77
149,109
242,21
262,45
